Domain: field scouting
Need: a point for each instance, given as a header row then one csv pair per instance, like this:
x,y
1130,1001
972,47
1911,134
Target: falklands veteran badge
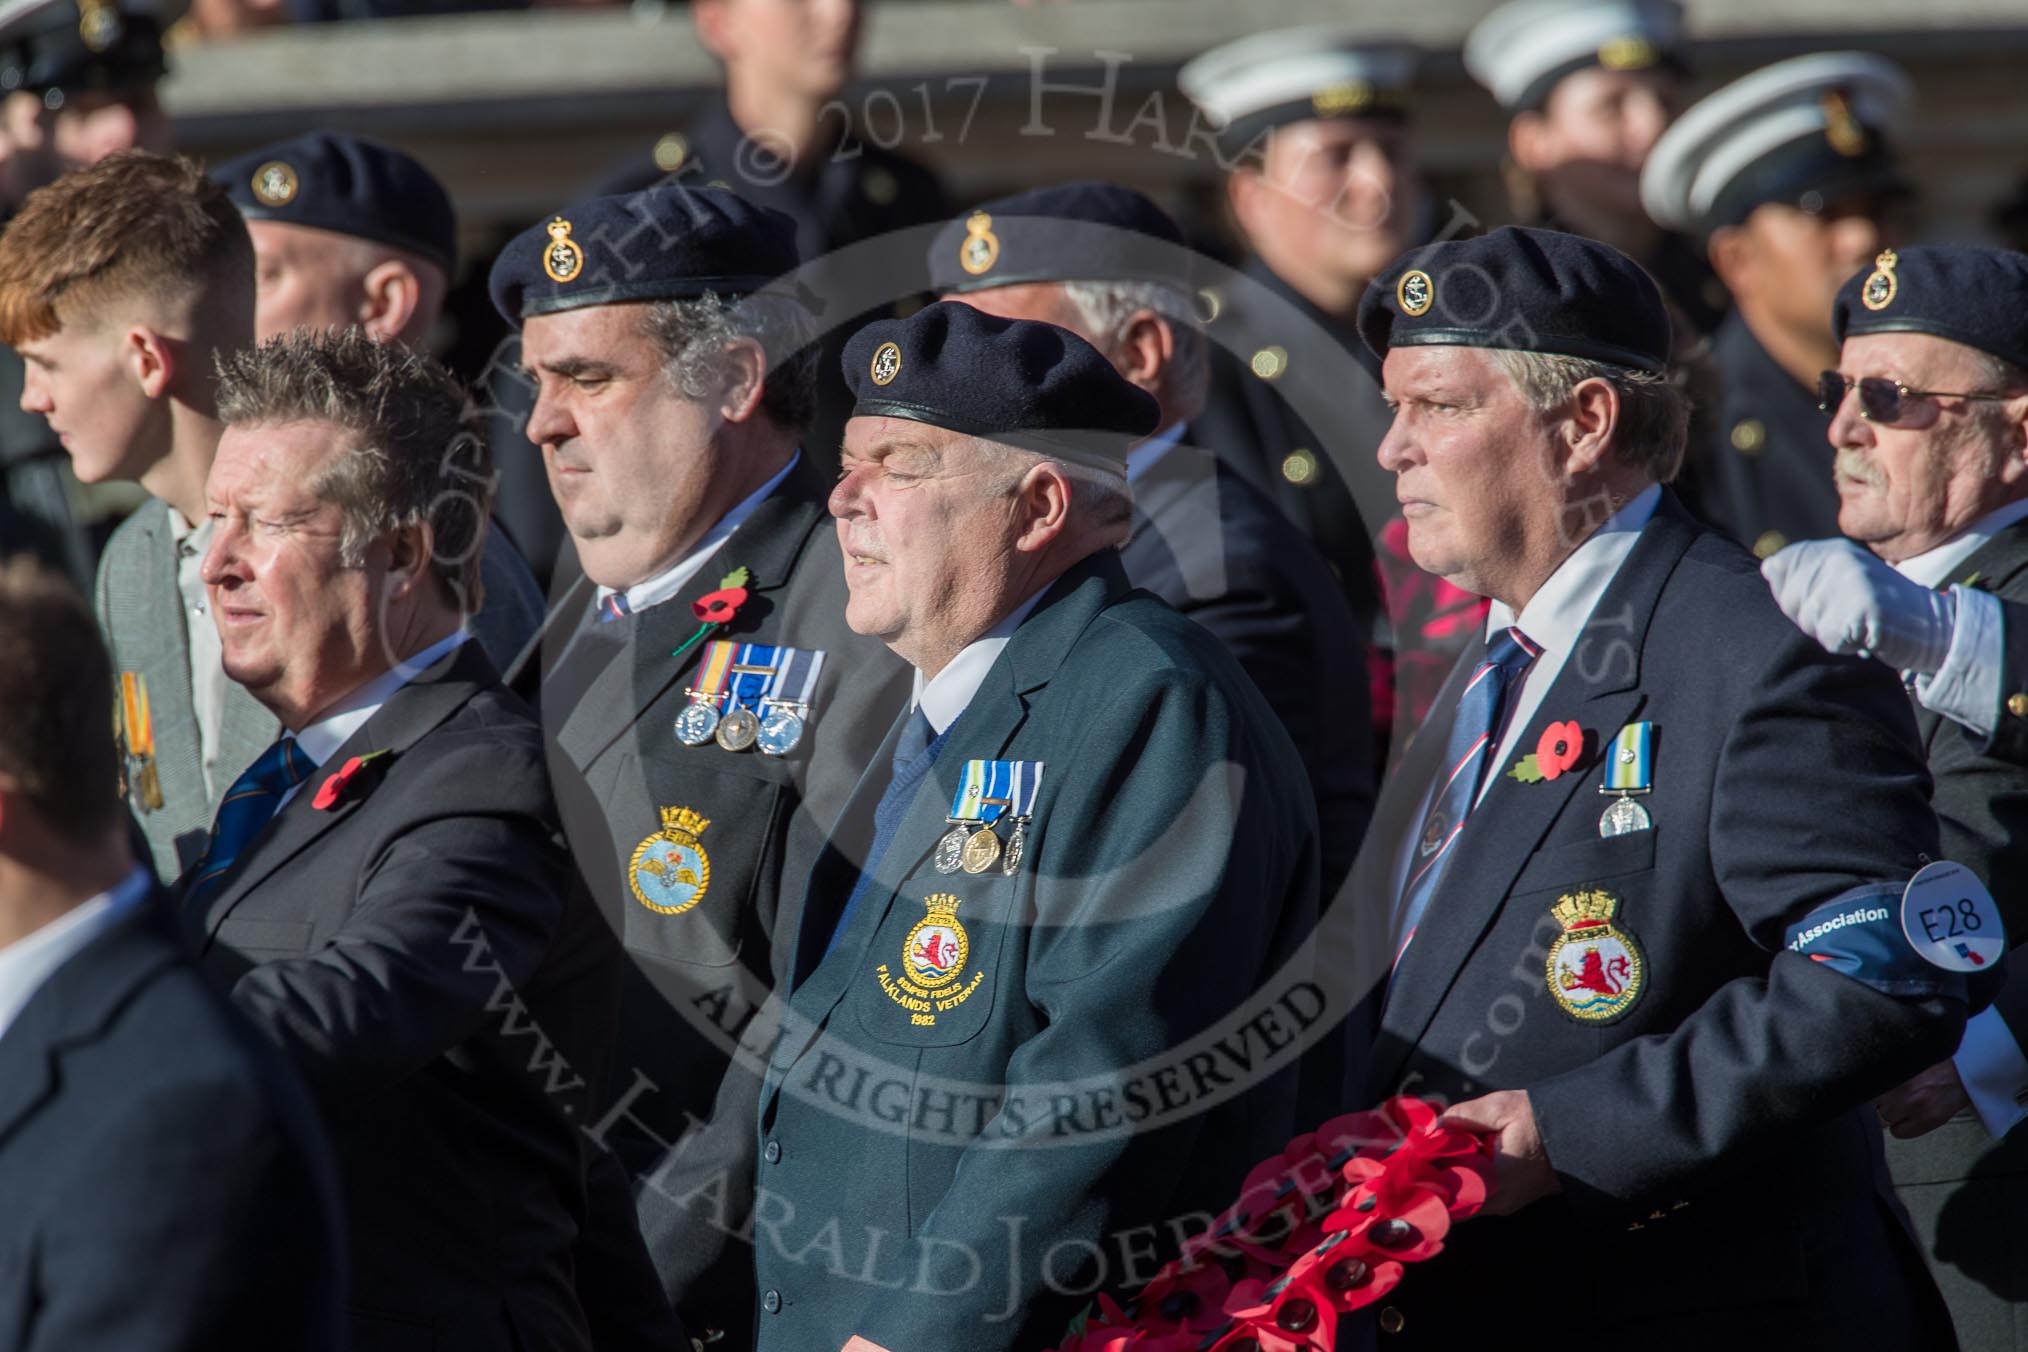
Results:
x,y
670,870
1595,968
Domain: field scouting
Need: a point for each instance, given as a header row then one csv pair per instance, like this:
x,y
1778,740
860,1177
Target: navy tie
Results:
x,y
915,751
246,808
1464,767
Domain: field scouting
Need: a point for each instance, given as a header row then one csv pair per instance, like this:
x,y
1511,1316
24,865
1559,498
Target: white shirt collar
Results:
x,y
321,740
1557,613
665,584
1143,457
1934,567
29,962
950,692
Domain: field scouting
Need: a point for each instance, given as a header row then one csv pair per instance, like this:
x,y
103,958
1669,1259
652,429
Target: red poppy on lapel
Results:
x,y
1560,748
339,786
715,609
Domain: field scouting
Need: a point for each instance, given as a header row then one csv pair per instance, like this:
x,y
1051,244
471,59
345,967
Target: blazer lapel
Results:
x,y
410,713
1599,687
74,1006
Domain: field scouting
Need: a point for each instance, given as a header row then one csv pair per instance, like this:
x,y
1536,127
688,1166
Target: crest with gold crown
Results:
x,y
1595,968
670,870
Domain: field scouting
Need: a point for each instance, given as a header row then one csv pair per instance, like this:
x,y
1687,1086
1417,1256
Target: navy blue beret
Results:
x,y
1017,381
1046,236
349,185
663,243
1524,289
1978,297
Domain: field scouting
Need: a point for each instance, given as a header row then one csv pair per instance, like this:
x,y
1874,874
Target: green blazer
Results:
x,y
949,1172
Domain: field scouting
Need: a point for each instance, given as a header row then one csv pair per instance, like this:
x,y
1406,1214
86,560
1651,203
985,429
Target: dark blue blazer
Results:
x,y
164,1185
1717,1155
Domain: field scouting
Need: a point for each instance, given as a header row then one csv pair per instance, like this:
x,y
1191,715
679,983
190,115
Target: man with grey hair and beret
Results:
x,y
1790,178
1087,845
1633,898
710,709
1929,420
1109,265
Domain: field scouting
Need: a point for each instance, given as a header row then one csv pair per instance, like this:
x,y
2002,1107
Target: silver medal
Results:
x,y
780,730
696,723
1011,860
950,855
1624,817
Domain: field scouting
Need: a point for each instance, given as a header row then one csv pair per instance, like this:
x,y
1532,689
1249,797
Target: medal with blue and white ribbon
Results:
x,y
753,671
988,791
785,708
700,717
1630,770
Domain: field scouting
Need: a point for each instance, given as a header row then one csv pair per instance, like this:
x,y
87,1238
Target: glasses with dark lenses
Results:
x,y
1882,400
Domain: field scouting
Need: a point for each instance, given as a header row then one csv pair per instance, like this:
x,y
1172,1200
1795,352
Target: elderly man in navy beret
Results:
x,y
1109,265
699,760
1929,420
345,231
1633,897
1087,844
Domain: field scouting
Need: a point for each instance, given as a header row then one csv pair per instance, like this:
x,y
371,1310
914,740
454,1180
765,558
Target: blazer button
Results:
x,y
772,1301
1391,1320
2017,704
773,1152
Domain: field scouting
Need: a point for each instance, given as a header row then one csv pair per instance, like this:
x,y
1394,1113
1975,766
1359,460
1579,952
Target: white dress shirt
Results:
x,y
1553,619
205,650
321,740
30,961
949,693
1966,690
673,579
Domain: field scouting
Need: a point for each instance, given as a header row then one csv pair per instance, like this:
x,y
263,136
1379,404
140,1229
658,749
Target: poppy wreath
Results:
x,y
1325,1228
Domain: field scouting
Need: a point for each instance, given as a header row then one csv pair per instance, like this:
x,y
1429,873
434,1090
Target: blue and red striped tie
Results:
x,y
1464,767
614,607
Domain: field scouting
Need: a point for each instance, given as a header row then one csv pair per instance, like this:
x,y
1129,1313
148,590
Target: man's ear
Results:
x,y
391,293
746,368
1591,424
1731,254
709,18
1145,347
409,551
152,358
1528,141
1042,507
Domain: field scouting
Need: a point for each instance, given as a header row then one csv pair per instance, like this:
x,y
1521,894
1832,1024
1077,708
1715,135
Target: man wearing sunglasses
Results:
x,y
1929,421
1789,177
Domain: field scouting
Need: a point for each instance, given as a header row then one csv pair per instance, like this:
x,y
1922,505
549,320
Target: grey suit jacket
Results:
x,y
141,611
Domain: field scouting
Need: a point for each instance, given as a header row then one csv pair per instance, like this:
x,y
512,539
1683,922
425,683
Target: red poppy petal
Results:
x,y
327,796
